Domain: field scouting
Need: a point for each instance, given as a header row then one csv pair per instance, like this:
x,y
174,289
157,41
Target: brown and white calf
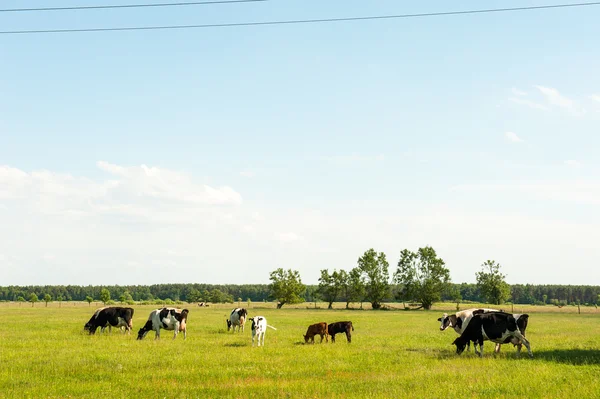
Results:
x,y
316,329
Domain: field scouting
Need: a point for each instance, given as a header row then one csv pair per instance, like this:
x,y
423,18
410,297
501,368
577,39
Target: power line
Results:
x,y
303,21
101,7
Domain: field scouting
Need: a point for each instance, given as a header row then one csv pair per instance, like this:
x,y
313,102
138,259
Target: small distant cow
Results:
x,y
110,317
498,327
237,318
169,319
340,327
316,329
460,320
259,328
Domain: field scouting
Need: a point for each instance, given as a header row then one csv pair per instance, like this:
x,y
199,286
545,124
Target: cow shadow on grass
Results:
x,y
236,344
576,357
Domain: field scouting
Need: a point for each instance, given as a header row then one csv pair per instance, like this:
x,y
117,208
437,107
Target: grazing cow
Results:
x,y
498,327
460,320
259,328
237,318
340,327
316,329
169,319
110,317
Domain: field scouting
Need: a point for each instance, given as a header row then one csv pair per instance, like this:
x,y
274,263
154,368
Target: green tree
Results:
x,y
59,299
374,267
330,286
20,299
354,286
104,295
33,298
193,295
422,276
492,284
47,298
122,298
89,300
286,287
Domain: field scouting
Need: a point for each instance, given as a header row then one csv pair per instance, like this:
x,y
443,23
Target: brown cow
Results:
x,y
316,329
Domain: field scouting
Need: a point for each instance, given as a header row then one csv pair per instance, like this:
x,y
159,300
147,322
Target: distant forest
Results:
x,y
559,295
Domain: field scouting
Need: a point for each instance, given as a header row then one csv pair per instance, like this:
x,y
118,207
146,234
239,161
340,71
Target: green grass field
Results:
x,y
45,354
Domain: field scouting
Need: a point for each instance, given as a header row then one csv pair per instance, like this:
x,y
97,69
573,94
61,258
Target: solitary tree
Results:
x,y
33,298
422,275
286,286
491,283
47,298
374,267
104,295
330,286
89,300
20,299
59,299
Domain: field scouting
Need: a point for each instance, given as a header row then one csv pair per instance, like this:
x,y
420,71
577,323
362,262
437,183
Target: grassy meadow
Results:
x,y
45,354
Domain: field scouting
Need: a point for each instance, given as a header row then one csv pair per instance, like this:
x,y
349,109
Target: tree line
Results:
x,y
420,278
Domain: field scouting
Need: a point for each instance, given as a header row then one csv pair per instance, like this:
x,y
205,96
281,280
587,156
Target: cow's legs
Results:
x,y
480,352
349,336
525,341
497,349
332,338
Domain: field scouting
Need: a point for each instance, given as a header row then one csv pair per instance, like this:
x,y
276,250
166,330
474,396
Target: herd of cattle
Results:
x,y
472,325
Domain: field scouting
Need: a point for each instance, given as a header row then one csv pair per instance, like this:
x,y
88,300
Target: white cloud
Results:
x,y
595,97
518,92
257,217
528,103
512,137
247,173
573,163
287,237
170,185
555,98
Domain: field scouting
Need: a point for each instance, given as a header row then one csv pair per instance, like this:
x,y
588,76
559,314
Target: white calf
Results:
x,y
259,328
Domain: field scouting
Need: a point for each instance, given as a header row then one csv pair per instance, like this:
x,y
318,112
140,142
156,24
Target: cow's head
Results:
x,y
142,333
228,324
460,345
306,339
445,320
184,314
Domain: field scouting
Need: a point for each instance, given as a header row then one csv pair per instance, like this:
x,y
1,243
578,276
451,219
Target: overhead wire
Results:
x,y
302,21
114,6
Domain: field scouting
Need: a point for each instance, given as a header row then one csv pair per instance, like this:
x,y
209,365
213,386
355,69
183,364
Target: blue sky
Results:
x,y
218,155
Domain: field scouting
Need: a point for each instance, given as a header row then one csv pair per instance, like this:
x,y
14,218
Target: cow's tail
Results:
x,y
271,327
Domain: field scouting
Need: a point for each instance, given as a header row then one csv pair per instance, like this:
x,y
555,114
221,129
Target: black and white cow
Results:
x,y
170,319
237,318
498,327
110,317
460,320
259,328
